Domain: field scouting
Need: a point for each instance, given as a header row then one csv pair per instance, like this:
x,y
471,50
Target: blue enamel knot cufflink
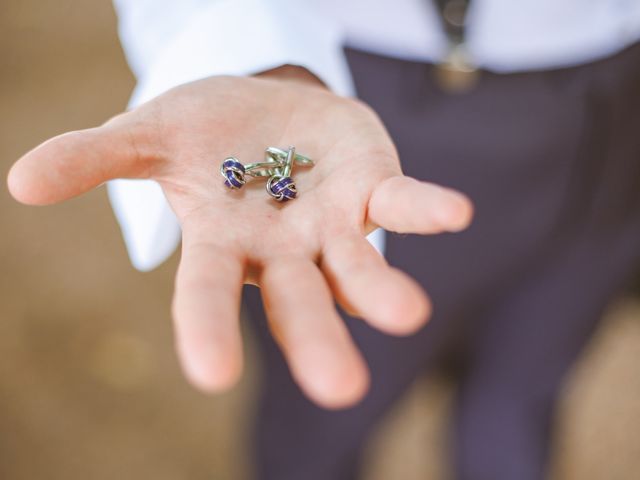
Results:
x,y
277,167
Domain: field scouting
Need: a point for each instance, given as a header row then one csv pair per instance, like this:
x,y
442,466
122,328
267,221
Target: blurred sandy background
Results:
x,y
89,384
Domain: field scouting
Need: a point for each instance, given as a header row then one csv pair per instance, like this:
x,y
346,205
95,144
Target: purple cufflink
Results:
x,y
233,172
282,188
277,167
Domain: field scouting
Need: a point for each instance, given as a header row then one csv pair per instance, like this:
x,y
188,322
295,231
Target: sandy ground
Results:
x,y
89,384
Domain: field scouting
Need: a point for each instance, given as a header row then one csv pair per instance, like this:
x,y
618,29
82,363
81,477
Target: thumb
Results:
x,y
405,205
75,162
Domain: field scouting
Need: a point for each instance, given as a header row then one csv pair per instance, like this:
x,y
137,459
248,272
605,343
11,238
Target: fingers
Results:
x,y
366,285
321,354
405,205
75,162
206,310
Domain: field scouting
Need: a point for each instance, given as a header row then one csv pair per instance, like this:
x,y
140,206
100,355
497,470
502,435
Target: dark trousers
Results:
x,y
551,160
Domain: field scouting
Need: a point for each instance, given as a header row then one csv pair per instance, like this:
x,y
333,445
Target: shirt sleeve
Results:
x,y
168,43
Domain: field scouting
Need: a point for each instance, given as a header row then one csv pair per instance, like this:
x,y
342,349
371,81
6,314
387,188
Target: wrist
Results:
x,y
292,73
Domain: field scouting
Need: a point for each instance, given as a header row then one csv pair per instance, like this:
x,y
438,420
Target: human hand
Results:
x,y
301,253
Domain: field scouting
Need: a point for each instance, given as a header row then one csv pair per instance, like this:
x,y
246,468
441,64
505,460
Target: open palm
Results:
x,y
301,253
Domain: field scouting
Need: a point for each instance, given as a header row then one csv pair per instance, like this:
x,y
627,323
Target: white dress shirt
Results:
x,y
170,42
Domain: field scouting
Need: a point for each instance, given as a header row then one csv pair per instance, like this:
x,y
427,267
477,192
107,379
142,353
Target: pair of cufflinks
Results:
x,y
277,167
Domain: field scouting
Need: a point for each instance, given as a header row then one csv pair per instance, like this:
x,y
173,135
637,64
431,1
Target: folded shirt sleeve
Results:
x,y
168,43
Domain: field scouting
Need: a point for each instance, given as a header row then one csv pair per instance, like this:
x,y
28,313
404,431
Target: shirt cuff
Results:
x,y
243,37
